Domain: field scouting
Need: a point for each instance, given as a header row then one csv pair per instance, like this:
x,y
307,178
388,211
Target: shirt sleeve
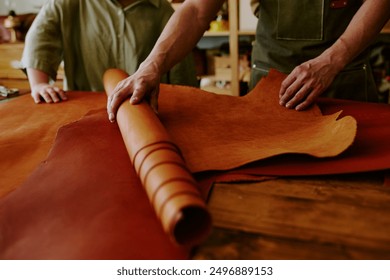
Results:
x,y
43,44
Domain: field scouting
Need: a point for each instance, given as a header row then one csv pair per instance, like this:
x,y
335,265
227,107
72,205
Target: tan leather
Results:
x,y
217,132
27,132
369,152
169,184
213,132
86,201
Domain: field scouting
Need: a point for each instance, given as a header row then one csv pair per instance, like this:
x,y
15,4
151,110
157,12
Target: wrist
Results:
x,y
338,55
154,65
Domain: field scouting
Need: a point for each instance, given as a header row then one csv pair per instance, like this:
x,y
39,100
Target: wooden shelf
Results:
x,y
234,50
386,28
247,32
216,34
233,34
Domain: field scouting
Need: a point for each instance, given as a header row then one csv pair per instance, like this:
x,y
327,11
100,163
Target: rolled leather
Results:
x,y
169,184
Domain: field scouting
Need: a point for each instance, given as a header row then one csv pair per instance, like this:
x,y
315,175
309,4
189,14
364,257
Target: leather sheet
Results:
x,y
369,152
84,201
218,132
27,131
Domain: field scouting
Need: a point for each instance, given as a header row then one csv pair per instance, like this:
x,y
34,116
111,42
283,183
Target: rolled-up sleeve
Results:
x,y
43,44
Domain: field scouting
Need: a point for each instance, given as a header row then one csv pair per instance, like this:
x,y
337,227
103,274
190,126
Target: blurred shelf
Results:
x,y
247,32
233,34
386,28
216,33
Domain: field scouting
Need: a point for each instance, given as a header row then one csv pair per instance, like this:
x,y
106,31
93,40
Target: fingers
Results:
x,y
62,94
36,97
154,100
125,89
137,96
113,103
299,98
110,111
48,94
288,81
300,89
120,93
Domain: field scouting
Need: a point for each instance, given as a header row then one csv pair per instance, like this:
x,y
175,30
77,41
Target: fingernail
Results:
x,y
111,117
134,99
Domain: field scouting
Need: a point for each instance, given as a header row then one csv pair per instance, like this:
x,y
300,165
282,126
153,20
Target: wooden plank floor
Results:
x,y
327,217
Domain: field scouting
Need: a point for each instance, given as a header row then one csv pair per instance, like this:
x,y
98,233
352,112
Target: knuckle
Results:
x,y
289,92
300,95
284,84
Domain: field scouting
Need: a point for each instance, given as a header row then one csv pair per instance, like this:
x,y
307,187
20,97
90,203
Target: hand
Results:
x,y
48,93
144,83
305,83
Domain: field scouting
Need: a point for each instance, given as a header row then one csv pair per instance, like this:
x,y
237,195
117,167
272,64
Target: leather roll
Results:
x,y
170,186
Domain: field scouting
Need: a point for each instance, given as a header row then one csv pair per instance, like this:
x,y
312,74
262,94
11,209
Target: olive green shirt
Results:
x,y
92,36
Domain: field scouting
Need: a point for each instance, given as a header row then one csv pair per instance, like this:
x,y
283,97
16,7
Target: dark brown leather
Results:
x,y
84,201
27,131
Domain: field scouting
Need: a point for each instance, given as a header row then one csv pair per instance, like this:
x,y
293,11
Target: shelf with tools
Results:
x,y
226,67
231,68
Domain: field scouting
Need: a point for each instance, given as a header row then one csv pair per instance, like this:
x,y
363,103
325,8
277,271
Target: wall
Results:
x,y
247,20
20,6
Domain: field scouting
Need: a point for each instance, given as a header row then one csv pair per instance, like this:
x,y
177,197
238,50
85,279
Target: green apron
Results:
x,y
290,32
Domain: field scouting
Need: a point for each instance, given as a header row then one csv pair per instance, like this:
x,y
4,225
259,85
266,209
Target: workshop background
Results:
x,y
222,56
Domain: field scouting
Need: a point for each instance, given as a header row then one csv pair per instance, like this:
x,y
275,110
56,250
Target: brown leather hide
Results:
x,y
27,131
218,132
86,201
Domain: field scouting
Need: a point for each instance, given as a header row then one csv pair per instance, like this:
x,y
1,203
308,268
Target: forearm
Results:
x,y
182,32
362,30
36,77
310,79
179,37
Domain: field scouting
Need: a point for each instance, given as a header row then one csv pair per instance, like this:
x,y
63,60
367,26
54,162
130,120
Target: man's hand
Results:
x,y
143,84
47,93
306,83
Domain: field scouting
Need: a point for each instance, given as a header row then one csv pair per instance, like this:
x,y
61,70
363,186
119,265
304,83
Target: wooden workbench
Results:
x,y
316,217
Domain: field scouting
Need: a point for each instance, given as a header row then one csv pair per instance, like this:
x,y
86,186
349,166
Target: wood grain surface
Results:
x,y
319,217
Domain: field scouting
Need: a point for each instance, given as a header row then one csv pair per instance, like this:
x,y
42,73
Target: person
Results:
x,y
92,36
320,44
